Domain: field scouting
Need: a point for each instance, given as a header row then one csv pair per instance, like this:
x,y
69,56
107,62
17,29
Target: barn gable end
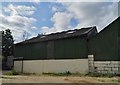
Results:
x,y
104,46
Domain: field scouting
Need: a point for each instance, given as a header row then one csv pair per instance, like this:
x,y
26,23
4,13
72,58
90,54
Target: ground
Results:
x,y
56,79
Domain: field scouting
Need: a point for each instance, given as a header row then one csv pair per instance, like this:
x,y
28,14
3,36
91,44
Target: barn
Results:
x,y
71,44
56,52
81,50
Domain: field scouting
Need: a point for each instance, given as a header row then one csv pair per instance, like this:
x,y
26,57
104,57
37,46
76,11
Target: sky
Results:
x,y
37,17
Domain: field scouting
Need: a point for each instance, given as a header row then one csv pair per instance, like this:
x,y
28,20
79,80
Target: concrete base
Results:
x,y
52,66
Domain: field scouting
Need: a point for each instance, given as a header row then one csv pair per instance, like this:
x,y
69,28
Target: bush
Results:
x,y
67,73
13,72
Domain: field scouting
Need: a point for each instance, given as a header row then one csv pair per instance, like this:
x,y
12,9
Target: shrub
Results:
x,y
13,72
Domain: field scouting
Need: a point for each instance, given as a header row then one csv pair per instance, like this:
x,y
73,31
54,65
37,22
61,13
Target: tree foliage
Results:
x,y
7,43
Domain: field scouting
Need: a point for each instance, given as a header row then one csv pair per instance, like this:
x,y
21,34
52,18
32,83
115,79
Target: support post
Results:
x,y
91,63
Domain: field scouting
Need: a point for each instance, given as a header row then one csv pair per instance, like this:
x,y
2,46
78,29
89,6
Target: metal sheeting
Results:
x,y
74,48
50,50
119,37
104,46
119,48
60,35
31,51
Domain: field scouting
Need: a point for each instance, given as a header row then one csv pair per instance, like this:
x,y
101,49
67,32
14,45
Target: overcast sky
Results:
x,y
48,17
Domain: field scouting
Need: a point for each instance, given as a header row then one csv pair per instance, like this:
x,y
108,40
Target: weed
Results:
x,y
29,74
67,73
100,75
13,72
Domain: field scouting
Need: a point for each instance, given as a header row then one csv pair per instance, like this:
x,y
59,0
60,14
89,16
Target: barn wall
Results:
x,y
119,37
31,51
52,66
104,46
0,53
50,50
73,48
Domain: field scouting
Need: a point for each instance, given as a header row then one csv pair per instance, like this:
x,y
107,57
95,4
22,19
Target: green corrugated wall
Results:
x,y
104,46
73,48
119,38
31,51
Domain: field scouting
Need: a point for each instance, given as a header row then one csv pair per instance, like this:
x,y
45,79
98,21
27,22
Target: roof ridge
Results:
x,y
60,35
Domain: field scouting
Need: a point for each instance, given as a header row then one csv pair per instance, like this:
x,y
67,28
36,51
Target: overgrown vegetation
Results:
x,y
7,43
67,73
101,75
7,47
29,74
13,72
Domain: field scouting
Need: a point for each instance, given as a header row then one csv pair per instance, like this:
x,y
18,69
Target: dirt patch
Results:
x,y
92,80
82,80
56,79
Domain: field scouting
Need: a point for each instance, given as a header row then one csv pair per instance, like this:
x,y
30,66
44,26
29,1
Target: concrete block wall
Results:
x,y
110,67
105,67
91,63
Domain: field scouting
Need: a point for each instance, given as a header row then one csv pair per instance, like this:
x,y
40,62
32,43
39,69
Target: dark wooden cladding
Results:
x,y
50,50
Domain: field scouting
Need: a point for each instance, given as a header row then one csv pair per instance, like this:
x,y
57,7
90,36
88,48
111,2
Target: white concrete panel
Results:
x,y
80,65
56,66
33,66
18,66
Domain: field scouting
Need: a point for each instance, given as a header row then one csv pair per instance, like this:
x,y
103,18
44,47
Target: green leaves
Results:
x,y
7,43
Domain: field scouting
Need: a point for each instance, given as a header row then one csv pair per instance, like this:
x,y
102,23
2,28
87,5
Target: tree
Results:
x,y
39,35
25,35
7,44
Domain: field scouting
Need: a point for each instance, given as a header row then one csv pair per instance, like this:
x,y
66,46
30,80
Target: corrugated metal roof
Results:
x,y
60,35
